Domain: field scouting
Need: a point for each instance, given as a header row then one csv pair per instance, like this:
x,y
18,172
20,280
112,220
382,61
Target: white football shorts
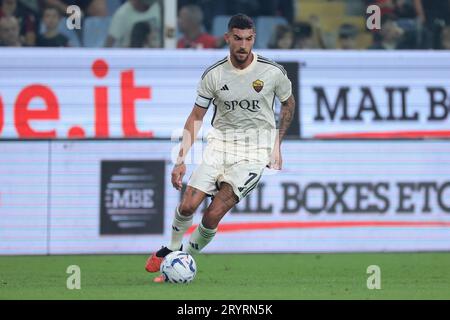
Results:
x,y
241,172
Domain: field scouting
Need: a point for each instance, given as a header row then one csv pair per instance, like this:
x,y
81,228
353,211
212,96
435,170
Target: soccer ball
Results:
x,y
178,267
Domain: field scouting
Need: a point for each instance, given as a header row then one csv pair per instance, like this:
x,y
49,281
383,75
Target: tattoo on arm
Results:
x,y
287,114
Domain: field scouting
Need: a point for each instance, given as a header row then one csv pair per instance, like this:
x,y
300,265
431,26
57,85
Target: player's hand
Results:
x,y
178,172
276,160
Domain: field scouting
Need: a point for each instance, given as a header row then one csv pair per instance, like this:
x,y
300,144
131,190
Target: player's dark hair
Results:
x,y
241,21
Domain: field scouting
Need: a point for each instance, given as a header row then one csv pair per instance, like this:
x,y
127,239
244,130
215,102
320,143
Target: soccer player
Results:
x,y
243,141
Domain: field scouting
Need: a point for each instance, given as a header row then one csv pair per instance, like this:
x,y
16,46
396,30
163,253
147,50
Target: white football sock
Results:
x,y
180,225
199,239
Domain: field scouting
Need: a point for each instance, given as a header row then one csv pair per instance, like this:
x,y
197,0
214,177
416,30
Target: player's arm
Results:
x,y
286,116
191,128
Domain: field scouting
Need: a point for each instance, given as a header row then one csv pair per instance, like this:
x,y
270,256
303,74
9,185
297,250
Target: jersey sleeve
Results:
x,y
283,89
205,91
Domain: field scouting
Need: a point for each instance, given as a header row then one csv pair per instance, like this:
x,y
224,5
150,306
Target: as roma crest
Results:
x,y
258,85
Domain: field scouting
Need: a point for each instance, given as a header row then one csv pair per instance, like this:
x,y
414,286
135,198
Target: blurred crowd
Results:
x,y
281,24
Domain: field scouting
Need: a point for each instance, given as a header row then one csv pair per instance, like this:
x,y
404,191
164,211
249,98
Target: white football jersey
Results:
x,y
243,101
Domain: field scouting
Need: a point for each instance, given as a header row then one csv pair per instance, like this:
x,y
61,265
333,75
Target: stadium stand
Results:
x,y
267,25
113,5
72,35
323,17
219,25
95,31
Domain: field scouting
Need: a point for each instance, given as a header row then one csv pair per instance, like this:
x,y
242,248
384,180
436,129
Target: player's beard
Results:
x,y
238,59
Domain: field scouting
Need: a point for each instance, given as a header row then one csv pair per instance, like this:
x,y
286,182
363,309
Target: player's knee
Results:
x,y
186,208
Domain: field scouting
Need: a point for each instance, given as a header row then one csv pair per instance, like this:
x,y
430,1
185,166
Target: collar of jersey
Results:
x,y
249,68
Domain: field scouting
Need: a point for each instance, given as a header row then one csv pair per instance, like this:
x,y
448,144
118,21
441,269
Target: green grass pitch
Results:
x,y
230,277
